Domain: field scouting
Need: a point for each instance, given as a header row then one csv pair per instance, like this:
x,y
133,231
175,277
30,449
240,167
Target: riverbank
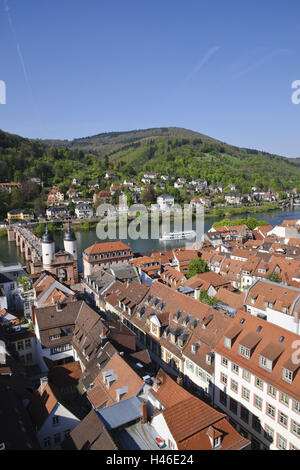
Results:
x,y
221,212
10,253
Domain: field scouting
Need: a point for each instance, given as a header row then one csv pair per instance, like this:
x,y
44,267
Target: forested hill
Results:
x,y
174,151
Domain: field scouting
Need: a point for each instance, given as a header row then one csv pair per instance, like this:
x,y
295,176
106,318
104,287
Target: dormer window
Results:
x,y
253,300
217,442
287,375
265,363
154,329
227,342
243,351
209,359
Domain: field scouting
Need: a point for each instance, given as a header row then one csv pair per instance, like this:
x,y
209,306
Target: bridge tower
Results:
x,y
48,248
70,243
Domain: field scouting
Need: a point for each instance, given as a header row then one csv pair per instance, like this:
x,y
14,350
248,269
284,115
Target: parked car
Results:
x,y
160,442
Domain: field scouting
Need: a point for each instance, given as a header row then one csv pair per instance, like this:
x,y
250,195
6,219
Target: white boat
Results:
x,y
189,234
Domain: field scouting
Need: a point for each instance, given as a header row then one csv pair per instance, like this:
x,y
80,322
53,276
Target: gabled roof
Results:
x,y
90,434
231,299
207,279
230,438
106,247
122,377
168,392
189,416
43,403
271,292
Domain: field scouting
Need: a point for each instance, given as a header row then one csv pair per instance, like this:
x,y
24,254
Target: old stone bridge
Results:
x,y
29,244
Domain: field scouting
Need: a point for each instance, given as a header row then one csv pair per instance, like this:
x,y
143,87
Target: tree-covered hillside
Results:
x,y
173,151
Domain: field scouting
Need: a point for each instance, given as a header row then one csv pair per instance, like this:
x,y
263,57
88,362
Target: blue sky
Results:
x,y
74,68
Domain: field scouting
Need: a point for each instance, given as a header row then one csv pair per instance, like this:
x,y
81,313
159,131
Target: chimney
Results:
x,y
58,307
144,412
44,383
197,293
179,380
156,384
32,311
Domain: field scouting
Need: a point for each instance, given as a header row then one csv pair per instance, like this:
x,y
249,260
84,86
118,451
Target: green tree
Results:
x,y
274,277
148,195
207,299
197,266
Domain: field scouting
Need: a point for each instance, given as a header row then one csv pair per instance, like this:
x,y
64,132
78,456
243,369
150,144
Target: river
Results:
x,y
9,253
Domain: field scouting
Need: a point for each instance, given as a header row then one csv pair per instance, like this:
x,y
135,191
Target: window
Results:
x,y
259,383
57,438
52,337
55,420
227,342
233,406
257,402
223,378
29,357
255,445
246,375
235,368
27,343
223,398
67,432
281,442
200,373
59,349
20,345
297,406
154,329
47,442
265,363
234,386
245,352
269,433
283,419
272,391
244,414
284,398
287,375
245,394
217,442
224,362
296,428
270,411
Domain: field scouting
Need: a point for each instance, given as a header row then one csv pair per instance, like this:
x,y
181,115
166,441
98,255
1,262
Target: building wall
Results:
x,y
266,399
160,425
288,322
67,422
198,377
23,349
